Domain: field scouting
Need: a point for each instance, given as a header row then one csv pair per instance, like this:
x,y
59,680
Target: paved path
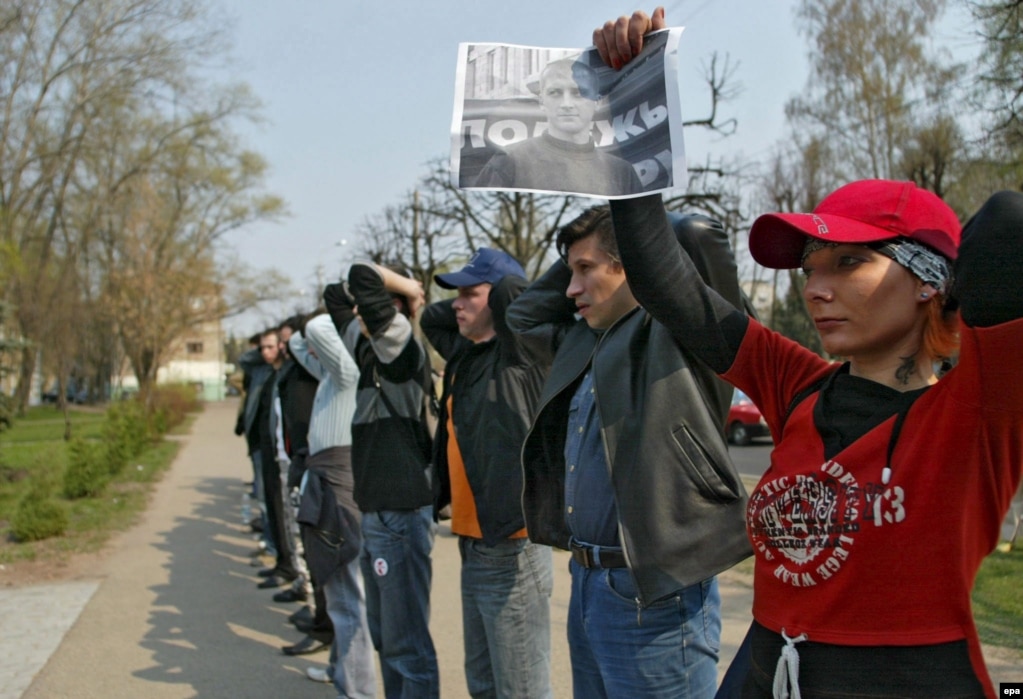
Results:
x,y
31,632
175,612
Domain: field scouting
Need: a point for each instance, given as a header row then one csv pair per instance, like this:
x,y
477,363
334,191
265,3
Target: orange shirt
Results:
x,y
464,521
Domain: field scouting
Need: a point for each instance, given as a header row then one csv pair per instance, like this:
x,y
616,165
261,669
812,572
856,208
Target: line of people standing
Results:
x,y
500,337
586,411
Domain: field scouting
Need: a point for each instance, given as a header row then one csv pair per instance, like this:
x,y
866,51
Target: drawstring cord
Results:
x,y
786,675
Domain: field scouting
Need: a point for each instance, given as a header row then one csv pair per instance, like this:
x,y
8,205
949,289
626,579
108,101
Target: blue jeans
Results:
x,y
396,566
668,649
506,592
351,655
260,493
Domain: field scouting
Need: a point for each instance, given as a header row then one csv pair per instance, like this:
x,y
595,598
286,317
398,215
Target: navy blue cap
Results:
x,y
485,266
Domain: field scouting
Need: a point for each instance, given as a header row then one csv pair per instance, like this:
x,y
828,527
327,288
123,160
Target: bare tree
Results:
x,y
63,64
1000,84
412,234
932,153
98,99
993,158
159,240
522,225
870,79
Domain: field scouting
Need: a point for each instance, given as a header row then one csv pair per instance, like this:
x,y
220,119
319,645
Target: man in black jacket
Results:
x,y
284,571
626,466
491,383
391,468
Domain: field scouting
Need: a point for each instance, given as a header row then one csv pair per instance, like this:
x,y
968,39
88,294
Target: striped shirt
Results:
x,y
334,405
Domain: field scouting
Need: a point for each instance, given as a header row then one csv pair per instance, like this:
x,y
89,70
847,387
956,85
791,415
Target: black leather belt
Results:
x,y
597,556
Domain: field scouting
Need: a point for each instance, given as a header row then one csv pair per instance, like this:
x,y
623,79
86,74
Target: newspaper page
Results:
x,y
560,121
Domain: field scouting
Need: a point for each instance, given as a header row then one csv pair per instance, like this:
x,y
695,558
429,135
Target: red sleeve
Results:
x,y
772,369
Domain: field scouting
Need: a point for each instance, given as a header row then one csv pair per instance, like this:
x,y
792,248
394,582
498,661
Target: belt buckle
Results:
x,y
586,554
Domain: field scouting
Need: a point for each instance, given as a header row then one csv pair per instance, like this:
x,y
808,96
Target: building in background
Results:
x,y
196,359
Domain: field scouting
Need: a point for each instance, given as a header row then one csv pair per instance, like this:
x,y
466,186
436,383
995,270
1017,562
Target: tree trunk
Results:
x,y
25,374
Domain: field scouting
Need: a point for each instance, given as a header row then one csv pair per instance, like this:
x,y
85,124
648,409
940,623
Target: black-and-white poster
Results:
x,y
559,120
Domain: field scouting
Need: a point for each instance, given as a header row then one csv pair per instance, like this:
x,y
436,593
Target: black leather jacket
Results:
x,y
680,501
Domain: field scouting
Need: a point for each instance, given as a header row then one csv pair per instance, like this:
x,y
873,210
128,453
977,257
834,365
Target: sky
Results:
x,y
358,96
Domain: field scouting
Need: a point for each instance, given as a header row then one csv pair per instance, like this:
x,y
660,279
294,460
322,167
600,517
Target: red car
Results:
x,y
744,421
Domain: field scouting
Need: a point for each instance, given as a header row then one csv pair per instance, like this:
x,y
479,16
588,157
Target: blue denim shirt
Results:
x,y
589,499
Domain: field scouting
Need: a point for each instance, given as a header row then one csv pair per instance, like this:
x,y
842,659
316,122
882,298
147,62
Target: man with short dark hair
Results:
x,y
255,372
626,466
491,382
283,571
564,158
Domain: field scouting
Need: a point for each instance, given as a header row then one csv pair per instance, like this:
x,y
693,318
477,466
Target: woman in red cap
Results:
x,y
887,486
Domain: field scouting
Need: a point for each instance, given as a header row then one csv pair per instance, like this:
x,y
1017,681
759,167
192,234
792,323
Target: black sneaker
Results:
x,y
291,595
308,645
275,581
303,614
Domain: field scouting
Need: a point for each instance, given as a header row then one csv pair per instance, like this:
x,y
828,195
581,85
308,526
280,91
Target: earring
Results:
x,y
923,295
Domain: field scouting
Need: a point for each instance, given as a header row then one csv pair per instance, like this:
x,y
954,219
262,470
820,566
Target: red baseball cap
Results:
x,y
866,211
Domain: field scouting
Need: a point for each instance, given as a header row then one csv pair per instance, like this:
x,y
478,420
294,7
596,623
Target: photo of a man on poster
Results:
x,y
560,121
564,157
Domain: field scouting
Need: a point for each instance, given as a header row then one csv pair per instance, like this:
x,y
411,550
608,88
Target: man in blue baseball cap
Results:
x,y
491,383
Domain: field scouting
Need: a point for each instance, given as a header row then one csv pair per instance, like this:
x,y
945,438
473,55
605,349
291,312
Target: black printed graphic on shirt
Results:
x,y
806,525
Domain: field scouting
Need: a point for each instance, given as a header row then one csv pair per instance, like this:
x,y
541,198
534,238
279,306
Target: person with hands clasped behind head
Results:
x,y
327,493
887,486
394,484
491,382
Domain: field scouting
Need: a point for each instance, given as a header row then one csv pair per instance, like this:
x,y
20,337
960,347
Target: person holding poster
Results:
x,y
889,480
564,157
626,466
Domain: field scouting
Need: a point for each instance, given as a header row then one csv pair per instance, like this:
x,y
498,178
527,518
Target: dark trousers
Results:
x,y
837,672
275,512
323,627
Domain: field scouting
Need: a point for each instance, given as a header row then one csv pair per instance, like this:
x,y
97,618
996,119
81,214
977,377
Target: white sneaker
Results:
x,y
318,674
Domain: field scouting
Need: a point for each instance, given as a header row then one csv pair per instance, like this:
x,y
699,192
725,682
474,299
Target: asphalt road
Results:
x,y
752,460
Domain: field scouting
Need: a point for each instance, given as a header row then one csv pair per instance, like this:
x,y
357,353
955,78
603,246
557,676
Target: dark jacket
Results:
x,y
297,388
256,371
495,386
390,443
330,533
680,501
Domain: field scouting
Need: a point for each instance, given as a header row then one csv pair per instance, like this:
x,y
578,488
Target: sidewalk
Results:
x,y
174,612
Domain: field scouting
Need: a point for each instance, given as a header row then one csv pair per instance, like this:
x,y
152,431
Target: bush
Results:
x,y
87,469
38,516
125,434
170,404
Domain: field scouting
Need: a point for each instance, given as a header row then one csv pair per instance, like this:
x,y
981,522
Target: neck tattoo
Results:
x,y
905,370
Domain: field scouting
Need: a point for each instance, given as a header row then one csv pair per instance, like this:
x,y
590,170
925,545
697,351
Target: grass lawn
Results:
x,y
34,447
87,426
998,599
